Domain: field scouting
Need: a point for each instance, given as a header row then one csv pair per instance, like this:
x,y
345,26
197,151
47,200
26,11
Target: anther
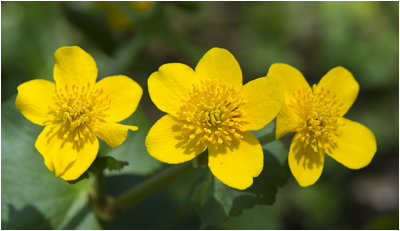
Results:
x,y
212,113
319,112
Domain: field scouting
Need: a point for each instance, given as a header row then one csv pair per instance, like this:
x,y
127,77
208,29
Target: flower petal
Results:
x,y
74,66
42,145
355,146
305,164
65,157
291,79
286,121
264,98
170,85
220,64
112,133
341,83
124,94
34,100
166,143
57,151
86,154
237,166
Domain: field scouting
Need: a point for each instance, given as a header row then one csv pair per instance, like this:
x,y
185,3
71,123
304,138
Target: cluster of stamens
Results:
x,y
319,111
212,114
78,108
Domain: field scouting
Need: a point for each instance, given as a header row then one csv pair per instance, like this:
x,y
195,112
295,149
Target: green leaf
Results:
x,y
133,149
107,162
215,202
266,134
32,197
101,163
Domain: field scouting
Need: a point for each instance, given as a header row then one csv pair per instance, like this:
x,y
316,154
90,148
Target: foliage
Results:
x,y
32,198
215,202
313,36
100,164
30,188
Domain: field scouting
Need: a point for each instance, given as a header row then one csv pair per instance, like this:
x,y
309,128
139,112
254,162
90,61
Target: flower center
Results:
x,y
319,111
78,108
212,114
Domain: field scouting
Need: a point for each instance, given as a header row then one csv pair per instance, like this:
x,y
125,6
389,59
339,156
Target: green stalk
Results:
x,y
103,204
99,188
152,184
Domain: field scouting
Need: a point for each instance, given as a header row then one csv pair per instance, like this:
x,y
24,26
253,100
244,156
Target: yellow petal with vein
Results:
x,y
124,95
340,82
170,85
291,79
166,143
112,133
305,164
56,149
86,154
34,100
355,146
264,98
73,66
287,121
62,155
292,82
220,64
237,165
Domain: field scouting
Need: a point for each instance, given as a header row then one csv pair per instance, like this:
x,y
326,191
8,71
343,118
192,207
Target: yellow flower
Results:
x,y
211,108
141,5
316,115
115,17
75,109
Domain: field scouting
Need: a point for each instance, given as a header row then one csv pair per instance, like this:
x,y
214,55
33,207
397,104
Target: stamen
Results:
x,y
319,111
212,114
79,107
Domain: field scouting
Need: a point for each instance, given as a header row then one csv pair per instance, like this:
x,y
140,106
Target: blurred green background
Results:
x,y
134,39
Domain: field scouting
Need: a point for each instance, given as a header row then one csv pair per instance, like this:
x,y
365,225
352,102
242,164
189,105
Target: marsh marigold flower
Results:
x,y
211,108
316,115
75,109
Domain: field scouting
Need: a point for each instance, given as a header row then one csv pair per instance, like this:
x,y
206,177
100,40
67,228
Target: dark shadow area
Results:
x,y
265,186
215,202
28,216
158,211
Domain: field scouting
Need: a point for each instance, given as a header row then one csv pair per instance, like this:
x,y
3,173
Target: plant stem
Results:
x,y
99,188
152,184
103,204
